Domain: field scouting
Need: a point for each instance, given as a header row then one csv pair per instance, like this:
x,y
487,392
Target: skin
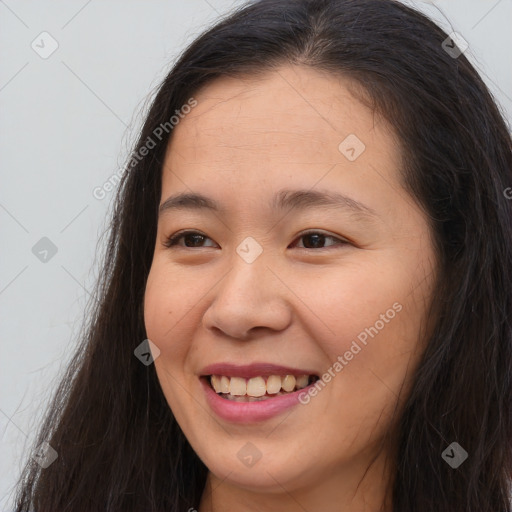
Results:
x,y
298,304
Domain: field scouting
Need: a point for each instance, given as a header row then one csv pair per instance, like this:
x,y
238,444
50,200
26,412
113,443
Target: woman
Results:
x,y
314,234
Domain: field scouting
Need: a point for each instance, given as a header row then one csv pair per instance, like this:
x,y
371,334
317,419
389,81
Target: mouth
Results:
x,y
258,388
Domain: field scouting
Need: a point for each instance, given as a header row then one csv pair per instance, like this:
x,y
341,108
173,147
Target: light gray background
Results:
x,y
66,124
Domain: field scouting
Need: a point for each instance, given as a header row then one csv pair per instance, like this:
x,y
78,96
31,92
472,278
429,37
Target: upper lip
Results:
x,y
252,370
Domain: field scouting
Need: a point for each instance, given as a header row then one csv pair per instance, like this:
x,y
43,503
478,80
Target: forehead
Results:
x,y
281,127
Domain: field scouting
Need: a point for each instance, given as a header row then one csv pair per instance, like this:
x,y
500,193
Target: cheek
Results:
x,y
172,316
345,301
165,303
167,312
371,316
168,299
158,306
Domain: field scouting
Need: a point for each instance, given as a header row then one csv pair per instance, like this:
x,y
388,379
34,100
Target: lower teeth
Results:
x,y
246,398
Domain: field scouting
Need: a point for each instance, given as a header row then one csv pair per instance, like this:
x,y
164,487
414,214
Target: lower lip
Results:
x,y
250,412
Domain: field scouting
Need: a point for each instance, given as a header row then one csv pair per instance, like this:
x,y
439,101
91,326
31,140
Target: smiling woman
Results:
x,y
320,252
325,268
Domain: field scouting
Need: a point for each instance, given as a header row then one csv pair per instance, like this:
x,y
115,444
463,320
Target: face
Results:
x,y
332,281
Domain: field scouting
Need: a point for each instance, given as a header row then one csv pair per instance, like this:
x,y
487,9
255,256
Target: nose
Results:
x,y
248,299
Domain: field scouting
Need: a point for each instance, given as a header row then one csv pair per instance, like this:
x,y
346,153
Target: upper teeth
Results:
x,y
257,386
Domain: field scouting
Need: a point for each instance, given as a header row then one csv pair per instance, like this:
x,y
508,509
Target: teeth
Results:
x,y
247,398
302,381
273,384
224,384
238,386
215,380
288,383
257,388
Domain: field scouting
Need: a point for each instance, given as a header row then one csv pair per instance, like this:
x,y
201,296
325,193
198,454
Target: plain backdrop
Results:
x,y
74,76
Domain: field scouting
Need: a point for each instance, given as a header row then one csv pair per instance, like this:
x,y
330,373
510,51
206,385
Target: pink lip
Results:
x,y
252,370
250,412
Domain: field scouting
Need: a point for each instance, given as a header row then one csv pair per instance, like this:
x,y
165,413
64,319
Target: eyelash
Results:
x,y
172,240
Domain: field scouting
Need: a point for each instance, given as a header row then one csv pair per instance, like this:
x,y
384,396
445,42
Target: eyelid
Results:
x,y
324,233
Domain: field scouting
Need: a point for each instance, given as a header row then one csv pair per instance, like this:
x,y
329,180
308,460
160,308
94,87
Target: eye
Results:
x,y
191,239
194,238
316,239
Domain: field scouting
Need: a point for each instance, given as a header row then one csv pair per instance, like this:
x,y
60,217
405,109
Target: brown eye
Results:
x,y
190,239
317,240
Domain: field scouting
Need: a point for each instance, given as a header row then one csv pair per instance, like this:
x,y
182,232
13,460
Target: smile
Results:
x,y
239,389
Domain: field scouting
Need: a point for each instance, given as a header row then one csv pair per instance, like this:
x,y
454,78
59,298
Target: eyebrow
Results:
x,y
284,199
